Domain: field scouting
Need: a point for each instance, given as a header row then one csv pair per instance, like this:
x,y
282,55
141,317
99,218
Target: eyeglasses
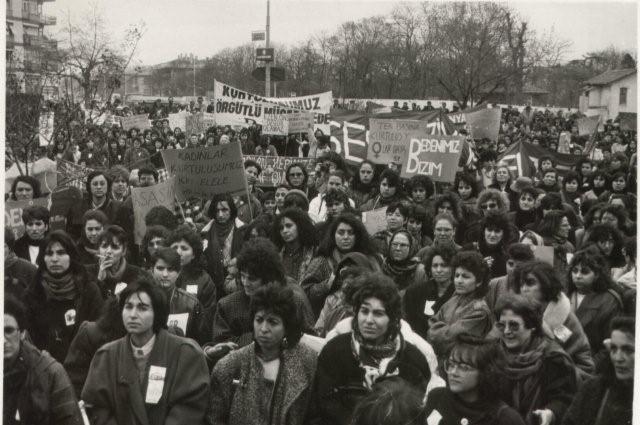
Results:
x,y
296,174
450,366
10,330
488,206
399,245
512,326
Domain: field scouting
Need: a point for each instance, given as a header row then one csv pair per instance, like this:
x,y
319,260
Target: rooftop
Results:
x,y
609,76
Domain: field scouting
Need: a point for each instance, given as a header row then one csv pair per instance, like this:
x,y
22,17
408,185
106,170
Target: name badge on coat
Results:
x,y
155,384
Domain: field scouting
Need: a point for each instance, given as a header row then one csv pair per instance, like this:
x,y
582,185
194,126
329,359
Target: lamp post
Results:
x,y
267,79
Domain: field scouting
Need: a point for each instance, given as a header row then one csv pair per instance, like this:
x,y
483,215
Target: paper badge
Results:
x,y
192,289
428,308
434,418
562,333
155,384
70,317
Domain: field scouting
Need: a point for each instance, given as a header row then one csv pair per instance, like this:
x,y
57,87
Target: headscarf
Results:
x,y
402,271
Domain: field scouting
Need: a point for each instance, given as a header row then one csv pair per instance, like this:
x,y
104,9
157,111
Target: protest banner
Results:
x,y
275,124
141,122
523,157
436,156
300,122
144,198
588,125
44,170
274,168
64,206
207,171
45,128
178,120
199,123
459,118
13,213
564,140
375,220
389,139
484,123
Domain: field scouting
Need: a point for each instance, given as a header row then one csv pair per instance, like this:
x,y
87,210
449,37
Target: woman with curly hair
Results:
x,y
466,186
525,212
450,203
591,218
390,191
599,181
502,180
496,234
571,192
609,241
555,228
422,190
294,233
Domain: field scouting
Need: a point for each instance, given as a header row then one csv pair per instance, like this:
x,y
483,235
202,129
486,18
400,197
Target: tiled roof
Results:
x,y
609,76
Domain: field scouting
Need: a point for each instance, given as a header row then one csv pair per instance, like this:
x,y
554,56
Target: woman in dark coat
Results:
x,y
98,197
61,297
496,232
390,191
350,364
401,265
93,223
364,185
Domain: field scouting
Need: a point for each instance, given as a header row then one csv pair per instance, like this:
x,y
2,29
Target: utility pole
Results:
x,y
267,79
194,75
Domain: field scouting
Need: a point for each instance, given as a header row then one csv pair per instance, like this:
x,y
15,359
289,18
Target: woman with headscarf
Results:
x,y
401,265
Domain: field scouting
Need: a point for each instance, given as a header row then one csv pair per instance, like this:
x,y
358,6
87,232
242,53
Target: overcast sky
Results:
x,y
204,27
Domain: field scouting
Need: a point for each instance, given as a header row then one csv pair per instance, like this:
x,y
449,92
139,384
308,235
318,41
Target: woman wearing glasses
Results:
x,y
401,264
536,376
470,394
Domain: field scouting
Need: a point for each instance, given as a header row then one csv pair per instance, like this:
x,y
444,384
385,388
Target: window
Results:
x,y
623,95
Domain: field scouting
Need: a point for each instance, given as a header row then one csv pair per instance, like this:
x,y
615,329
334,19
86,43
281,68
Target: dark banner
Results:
x,y
523,158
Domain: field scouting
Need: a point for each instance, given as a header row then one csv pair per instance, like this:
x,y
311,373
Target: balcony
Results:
x,y
49,20
40,41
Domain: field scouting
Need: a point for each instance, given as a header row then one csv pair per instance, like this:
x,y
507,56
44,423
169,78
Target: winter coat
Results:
x,y
214,256
181,302
197,282
131,274
45,397
18,275
615,398
21,248
114,391
420,302
237,384
110,208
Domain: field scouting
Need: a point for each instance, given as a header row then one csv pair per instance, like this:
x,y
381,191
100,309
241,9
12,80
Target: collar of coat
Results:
x,y
555,315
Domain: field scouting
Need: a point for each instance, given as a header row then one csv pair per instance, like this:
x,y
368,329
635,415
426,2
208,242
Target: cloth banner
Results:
x,y
350,130
199,123
45,128
436,156
375,220
484,123
44,170
141,122
275,124
144,198
274,168
588,125
523,157
178,120
389,139
628,121
207,171
300,122
13,213
459,118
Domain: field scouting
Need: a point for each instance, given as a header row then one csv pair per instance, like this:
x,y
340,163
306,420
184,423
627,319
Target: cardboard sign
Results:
x,y
543,253
145,198
204,172
300,122
178,320
199,123
275,124
375,220
564,140
178,120
588,125
274,168
484,123
389,139
13,213
141,122
436,156
45,128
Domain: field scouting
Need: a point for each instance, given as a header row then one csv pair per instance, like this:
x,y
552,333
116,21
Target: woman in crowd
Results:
x,y
423,299
61,297
279,195
350,364
148,376
390,402
592,218
450,203
444,231
535,375
93,222
471,394
296,176
271,379
466,311
608,398
609,241
25,188
571,192
617,185
193,277
489,201
295,235
545,163
119,183
136,156
401,265
599,183
539,282
525,212
114,270
466,187
155,237
364,185
502,180
592,297
418,225
346,234
617,217
549,182
166,268
421,190
555,229
390,191
318,206
496,231
98,197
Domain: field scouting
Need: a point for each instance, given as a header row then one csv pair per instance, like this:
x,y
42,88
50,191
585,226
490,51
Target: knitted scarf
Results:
x,y
223,230
375,358
400,271
527,362
59,287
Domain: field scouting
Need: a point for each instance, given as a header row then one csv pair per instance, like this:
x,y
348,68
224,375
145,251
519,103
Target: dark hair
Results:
x,y
382,287
112,232
263,224
493,194
616,176
520,252
163,216
16,308
391,402
96,215
280,301
572,175
63,238
221,197
398,206
454,200
155,231
357,185
529,310
618,211
169,256
550,282
31,181
332,196
148,171
494,220
260,258
550,223
447,252
630,247
604,232
473,261
363,241
600,173
97,173
445,216
35,212
588,218
469,180
306,230
551,201
393,179
338,173
481,354
626,324
304,171
186,233
118,171
251,163
156,295
423,181
336,159
296,200
591,258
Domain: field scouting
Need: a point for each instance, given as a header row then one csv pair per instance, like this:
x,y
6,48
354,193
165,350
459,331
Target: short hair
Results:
x,y
31,181
446,252
338,173
64,239
363,241
551,201
393,178
307,235
473,262
454,200
261,258
332,196
251,163
161,215
603,232
391,402
112,232
572,175
296,199
520,252
480,354
593,259
398,206
35,212
493,194
279,300
381,287
550,223
626,324
530,311
445,216
222,197
616,210
154,231
97,173
16,309
119,172
550,282
185,233
494,220
148,171
96,215
169,256
529,190
156,295
423,181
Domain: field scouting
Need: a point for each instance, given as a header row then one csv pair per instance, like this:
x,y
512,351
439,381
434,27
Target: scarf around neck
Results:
x,y
527,362
223,230
375,359
59,288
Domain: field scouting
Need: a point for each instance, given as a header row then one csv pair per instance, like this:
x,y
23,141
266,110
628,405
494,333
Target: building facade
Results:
x,y
613,92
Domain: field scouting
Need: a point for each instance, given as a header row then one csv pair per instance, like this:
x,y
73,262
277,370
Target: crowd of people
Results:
x,y
494,299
